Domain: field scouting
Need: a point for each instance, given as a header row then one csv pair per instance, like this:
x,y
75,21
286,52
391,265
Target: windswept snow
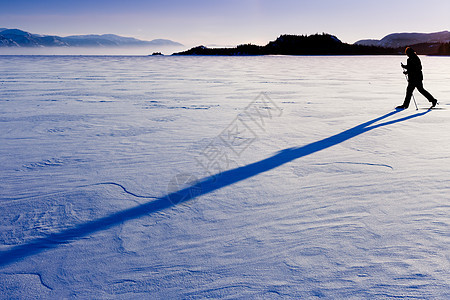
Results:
x,y
222,177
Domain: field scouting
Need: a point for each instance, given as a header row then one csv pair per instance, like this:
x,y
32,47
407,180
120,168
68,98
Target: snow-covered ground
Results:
x,y
222,177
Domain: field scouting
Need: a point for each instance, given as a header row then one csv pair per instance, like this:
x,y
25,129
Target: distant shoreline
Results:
x,y
18,42
317,44
200,55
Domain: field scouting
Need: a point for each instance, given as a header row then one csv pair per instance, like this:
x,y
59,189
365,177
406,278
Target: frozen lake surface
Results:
x,y
222,177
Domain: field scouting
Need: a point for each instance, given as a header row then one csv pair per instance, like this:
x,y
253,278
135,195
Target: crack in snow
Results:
x,y
356,163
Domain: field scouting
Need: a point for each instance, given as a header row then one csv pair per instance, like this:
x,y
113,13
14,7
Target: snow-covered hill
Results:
x,y
395,40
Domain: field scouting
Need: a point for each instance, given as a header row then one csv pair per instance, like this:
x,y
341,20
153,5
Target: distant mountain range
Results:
x,y
20,38
437,43
396,40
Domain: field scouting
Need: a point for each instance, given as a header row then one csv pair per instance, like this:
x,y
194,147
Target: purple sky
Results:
x,y
226,22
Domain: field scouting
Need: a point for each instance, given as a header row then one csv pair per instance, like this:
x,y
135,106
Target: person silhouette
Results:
x,y
413,69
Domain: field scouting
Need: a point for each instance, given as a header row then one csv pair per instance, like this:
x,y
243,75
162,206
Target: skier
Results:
x,y
413,69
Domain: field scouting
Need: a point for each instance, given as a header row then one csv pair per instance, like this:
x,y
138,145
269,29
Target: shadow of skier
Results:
x,y
201,187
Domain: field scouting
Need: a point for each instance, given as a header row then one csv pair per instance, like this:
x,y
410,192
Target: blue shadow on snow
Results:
x,y
201,187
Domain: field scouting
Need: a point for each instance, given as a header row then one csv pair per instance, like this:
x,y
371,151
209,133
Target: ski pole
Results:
x,y
406,76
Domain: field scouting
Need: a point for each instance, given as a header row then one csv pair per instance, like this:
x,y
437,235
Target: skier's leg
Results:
x,y
409,91
425,92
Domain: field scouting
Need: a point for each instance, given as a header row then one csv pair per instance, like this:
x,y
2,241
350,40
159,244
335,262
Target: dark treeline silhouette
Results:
x,y
444,49
316,44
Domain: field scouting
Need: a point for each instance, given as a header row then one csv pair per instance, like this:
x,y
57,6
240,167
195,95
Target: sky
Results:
x,y
225,23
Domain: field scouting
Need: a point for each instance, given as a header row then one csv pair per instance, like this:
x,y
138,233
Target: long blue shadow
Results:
x,y
201,187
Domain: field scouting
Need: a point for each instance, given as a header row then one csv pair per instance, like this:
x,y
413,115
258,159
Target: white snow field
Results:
x,y
273,177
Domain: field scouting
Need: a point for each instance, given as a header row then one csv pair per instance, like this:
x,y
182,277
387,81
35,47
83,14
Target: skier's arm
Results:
x,y
405,68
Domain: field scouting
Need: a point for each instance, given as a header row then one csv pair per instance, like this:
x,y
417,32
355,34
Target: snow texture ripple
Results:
x,y
222,177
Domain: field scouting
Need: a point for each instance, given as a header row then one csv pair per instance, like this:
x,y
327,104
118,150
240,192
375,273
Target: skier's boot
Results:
x,y
433,103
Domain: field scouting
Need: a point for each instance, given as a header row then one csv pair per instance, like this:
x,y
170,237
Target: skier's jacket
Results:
x,y
414,68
